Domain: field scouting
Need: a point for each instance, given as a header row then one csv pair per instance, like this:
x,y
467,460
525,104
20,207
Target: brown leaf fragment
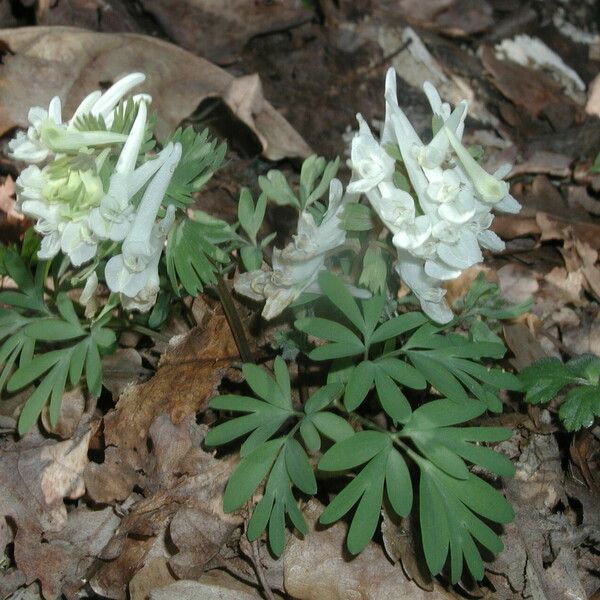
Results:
x,y
91,14
399,543
578,197
523,344
553,227
198,537
36,476
592,106
585,337
112,480
219,30
72,408
79,60
453,17
182,513
526,88
154,574
517,282
216,585
50,545
547,163
316,568
7,200
528,559
121,370
187,377
566,286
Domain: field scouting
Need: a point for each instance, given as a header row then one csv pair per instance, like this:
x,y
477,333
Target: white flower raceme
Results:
x,y
134,272
113,217
296,268
439,227
66,198
48,134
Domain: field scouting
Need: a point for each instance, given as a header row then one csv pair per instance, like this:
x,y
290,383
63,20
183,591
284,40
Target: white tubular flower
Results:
x,y
30,185
136,268
78,242
427,289
112,219
297,266
445,187
29,146
413,234
394,206
370,162
88,297
489,188
47,134
106,103
439,227
49,224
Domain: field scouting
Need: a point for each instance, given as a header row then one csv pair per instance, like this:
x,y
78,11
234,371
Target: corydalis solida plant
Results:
x,y
110,209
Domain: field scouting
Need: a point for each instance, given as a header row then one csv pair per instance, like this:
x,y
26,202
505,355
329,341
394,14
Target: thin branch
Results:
x,y
260,572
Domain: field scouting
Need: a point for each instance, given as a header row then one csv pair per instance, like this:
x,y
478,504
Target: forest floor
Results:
x,y
120,499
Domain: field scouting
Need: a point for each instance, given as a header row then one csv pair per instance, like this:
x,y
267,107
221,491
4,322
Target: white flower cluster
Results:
x,y
439,226
295,268
74,212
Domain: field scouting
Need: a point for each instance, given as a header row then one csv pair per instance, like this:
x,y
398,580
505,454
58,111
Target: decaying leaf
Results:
x,y
528,563
35,477
7,200
528,89
49,61
212,586
181,515
219,30
187,377
315,568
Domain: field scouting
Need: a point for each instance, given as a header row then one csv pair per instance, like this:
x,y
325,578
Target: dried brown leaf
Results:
x,y
64,61
219,30
184,486
315,568
187,377
217,585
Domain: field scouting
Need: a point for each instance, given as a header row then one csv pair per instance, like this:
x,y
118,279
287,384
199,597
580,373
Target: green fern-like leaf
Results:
x,y
200,158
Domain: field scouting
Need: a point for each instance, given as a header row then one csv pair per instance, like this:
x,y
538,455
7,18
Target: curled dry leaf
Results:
x,y
187,377
36,475
71,411
315,568
178,81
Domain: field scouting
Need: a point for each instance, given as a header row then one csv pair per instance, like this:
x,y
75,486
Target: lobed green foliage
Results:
x,y
425,447
546,378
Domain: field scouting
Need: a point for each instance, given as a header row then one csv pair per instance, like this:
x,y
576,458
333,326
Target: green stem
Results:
x,y
362,420
150,333
235,323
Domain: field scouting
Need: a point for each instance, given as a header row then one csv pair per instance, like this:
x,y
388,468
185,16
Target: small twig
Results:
x,y
557,343
260,572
